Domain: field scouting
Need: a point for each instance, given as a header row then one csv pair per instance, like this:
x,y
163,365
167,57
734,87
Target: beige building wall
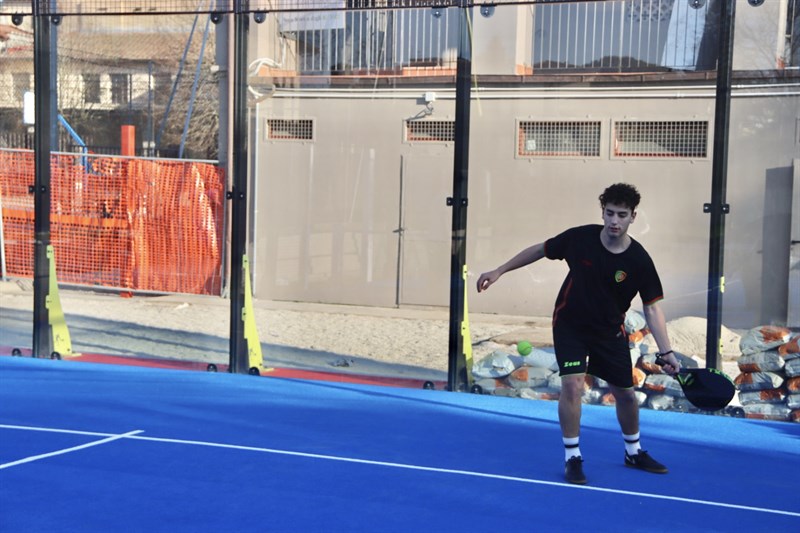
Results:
x,y
358,214
760,35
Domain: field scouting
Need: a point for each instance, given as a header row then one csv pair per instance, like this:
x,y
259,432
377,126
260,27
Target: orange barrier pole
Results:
x,y
128,140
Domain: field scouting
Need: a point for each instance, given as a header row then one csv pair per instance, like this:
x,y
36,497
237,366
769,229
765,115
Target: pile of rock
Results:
x,y
535,376
769,382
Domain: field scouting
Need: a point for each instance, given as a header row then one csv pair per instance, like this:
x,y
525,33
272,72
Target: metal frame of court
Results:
x,y
47,16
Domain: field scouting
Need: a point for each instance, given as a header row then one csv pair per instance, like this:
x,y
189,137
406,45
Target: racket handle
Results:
x,y
660,361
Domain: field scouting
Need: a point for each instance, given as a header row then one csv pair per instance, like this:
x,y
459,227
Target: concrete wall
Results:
x,y
759,35
358,215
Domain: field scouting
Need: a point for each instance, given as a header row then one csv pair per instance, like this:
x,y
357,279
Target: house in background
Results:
x,y
115,70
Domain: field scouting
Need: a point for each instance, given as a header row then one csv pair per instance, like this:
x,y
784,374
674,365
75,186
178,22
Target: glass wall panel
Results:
x,y
761,256
571,97
351,126
16,79
137,214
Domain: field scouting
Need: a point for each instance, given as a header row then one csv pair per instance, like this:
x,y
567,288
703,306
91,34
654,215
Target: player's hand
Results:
x,y
671,364
486,279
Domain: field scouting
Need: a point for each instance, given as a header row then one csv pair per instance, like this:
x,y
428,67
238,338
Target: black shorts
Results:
x,y
606,356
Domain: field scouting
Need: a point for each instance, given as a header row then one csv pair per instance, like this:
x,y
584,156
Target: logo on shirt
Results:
x,y
619,276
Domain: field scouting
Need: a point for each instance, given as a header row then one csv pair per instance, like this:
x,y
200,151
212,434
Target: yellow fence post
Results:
x,y
62,344
255,360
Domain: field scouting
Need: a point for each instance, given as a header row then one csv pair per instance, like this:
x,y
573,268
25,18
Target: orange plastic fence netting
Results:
x,y
141,224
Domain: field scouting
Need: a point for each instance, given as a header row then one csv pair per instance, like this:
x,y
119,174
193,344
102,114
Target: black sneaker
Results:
x,y
643,461
573,471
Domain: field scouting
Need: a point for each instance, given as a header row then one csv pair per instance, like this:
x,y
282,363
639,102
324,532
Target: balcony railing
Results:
x,y
615,35
624,35
376,41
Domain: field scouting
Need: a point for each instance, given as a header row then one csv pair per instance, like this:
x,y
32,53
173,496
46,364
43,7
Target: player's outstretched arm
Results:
x,y
658,328
527,256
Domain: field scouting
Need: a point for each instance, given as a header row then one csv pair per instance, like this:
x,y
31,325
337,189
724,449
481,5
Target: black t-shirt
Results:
x,y
600,285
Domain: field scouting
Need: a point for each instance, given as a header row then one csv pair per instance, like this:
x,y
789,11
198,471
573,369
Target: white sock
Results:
x,y
632,445
571,448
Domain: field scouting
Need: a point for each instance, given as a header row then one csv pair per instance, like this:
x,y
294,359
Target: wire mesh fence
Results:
x,y
134,223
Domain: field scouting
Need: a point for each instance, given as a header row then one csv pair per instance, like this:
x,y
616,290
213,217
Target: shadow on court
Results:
x,y
116,337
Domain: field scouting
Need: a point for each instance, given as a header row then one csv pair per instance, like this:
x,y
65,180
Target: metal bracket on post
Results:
x,y
725,209
450,202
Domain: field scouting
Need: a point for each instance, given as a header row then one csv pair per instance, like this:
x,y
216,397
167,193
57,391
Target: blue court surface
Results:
x,y
90,447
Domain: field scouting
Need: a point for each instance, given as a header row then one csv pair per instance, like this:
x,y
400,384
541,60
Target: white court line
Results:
x,y
134,435
66,450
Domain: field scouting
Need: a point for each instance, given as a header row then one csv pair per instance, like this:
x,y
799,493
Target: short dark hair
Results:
x,y
621,194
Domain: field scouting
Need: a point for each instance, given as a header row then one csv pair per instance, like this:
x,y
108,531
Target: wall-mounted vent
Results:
x,y
662,139
279,129
430,131
559,139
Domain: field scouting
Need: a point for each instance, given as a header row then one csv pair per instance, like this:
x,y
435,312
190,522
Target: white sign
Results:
x,y
312,20
28,108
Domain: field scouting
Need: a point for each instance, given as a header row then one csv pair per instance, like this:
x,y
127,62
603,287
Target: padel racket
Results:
x,y
707,389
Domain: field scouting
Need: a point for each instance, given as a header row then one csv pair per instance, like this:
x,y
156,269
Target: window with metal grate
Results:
x,y
430,131
281,129
559,139
661,139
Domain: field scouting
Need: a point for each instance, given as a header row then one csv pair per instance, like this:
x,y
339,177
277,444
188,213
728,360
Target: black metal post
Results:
x,y
457,375
718,207
222,58
238,194
45,93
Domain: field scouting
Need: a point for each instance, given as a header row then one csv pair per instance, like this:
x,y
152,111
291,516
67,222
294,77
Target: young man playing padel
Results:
x,y
607,269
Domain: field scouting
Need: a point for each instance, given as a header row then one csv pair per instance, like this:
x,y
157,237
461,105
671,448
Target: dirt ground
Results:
x,y
187,326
